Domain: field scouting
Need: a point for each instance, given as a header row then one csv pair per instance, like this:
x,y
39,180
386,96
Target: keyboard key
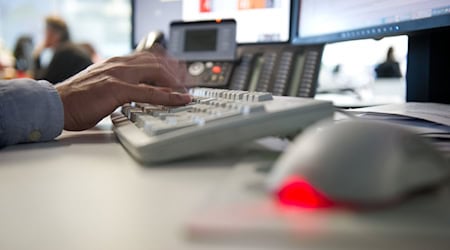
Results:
x,y
180,109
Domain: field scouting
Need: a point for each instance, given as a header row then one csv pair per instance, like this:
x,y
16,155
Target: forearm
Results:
x,y
30,111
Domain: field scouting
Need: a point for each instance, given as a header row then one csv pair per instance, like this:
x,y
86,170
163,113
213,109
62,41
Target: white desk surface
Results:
x,y
83,191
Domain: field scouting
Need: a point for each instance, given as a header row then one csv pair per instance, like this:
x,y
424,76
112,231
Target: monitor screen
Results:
x,y
258,21
330,21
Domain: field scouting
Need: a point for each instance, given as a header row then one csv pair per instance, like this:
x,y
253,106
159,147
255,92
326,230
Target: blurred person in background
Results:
x,y
390,68
23,55
68,58
90,50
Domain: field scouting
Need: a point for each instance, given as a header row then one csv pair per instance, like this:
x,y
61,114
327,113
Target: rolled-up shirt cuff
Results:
x,y
30,111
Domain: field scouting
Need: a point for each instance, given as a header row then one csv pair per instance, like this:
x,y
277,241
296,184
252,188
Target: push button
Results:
x,y
216,69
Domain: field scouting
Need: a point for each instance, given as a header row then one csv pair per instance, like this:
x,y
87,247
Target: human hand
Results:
x,y
96,92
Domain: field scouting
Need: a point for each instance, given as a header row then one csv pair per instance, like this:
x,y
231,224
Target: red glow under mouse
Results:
x,y
298,192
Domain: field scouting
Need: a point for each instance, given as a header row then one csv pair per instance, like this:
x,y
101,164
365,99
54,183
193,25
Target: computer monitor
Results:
x,y
427,24
258,21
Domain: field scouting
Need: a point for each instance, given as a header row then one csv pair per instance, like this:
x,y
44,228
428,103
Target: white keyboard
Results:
x,y
216,119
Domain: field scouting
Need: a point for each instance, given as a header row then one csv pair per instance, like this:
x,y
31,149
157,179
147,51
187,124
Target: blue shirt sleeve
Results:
x,y
30,111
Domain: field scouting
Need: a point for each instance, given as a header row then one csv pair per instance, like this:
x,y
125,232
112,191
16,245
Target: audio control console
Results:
x,y
208,48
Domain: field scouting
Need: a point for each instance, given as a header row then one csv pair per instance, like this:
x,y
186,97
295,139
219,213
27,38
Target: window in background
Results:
x,y
105,24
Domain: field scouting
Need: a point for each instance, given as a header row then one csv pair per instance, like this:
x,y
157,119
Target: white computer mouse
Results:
x,y
356,162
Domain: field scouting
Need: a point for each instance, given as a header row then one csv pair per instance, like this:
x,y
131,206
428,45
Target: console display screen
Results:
x,y
203,40
200,40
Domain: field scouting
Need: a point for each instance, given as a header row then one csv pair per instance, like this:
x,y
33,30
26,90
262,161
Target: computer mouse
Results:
x,y
357,163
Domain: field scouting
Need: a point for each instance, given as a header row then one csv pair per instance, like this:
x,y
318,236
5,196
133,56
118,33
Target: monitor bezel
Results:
x,y
134,43
372,32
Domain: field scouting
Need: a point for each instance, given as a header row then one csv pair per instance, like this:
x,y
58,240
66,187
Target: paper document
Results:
x,y
433,112
431,120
